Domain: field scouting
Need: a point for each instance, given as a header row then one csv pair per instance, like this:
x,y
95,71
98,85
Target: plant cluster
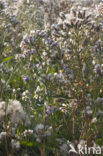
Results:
x,y
51,79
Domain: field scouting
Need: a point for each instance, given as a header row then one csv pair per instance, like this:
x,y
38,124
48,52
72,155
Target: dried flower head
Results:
x,y
15,111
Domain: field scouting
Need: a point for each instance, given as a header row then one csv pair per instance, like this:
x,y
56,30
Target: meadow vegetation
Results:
x,y
51,77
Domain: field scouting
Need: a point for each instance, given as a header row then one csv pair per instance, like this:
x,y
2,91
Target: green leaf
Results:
x,y
7,58
18,132
26,143
99,141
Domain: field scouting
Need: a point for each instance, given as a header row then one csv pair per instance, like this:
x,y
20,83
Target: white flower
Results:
x,y
82,144
2,135
15,144
44,53
32,32
2,105
25,93
94,120
99,100
15,111
2,109
89,112
29,131
39,127
43,75
93,62
88,108
38,140
38,89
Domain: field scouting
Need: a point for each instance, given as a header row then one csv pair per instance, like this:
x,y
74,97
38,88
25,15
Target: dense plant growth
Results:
x,y
51,78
